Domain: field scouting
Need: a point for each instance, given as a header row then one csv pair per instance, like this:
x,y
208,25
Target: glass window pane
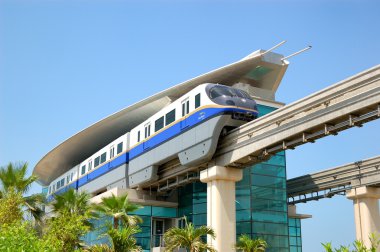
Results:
x,y
103,157
164,212
267,181
83,170
170,117
268,193
270,170
243,215
97,161
120,147
197,100
269,228
243,203
268,204
269,216
159,124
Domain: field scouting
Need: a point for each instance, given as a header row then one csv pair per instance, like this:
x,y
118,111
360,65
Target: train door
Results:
x,y
185,111
146,135
158,232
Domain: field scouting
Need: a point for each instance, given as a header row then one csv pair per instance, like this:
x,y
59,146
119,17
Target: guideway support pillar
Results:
x,y
366,211
221,211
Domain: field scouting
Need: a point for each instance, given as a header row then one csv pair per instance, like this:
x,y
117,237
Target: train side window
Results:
x,y
97,161
112,151
119,148
83,171
58,185
159,124
62,182
185,107
138,136
103,157
68,179
90,165
198,100
71,177
170,117
147,130
54,188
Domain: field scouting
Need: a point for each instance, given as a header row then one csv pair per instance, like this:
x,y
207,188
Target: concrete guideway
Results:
x,y
360,182
338,180
351,102
348,103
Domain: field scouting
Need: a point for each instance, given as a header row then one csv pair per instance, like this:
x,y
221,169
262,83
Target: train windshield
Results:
x,y
226,91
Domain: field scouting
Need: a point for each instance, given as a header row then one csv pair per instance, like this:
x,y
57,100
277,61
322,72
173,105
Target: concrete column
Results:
x,y
366,211
221,211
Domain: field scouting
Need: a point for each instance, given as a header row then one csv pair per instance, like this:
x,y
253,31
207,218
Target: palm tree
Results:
x,y
121,240
246,244
188,237
118,208
73,202
13,178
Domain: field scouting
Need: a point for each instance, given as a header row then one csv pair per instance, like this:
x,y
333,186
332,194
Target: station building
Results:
x,y
261,197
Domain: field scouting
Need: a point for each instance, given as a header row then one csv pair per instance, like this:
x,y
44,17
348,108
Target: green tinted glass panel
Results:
x,y
97,161
164,212
268,204
200,219
269,216
260,180
197,100
243,227
246,178
275,241
270,228
243,203
276,160
243,215
159,124
120,146
243,192
170,117
103,157
269,170
293,240
146,210
199,208
263,110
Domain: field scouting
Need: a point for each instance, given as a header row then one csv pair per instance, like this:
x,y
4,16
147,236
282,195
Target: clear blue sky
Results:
x,y
66,64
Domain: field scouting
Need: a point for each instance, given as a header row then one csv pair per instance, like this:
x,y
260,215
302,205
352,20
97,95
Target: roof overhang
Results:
x,y
260,69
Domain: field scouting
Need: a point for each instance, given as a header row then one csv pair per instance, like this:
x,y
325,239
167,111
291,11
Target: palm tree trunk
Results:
x,y
115,223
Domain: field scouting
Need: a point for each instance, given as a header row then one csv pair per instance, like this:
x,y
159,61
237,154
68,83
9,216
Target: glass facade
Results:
x,y
295,235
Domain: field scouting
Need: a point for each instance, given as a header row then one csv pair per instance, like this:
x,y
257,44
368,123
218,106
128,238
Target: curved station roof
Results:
x,y
260,69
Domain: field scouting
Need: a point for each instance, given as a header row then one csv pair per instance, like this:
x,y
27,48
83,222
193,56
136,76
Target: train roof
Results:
x,y
260,69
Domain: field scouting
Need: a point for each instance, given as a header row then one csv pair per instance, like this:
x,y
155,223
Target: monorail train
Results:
x,y
188,128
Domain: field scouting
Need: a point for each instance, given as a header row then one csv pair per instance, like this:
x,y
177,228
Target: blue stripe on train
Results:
x,y
177,128
122,159
158,139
